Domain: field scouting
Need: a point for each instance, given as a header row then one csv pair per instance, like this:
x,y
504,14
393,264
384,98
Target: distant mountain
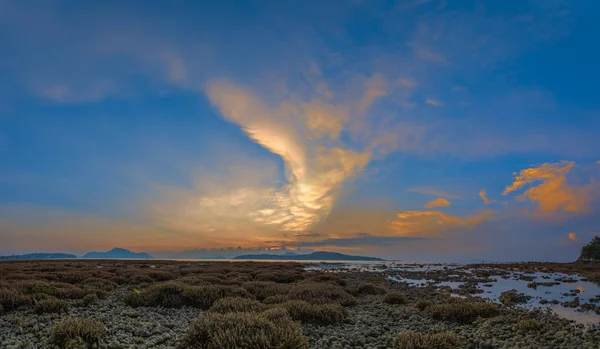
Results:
x,y
117,253
315,256
37,256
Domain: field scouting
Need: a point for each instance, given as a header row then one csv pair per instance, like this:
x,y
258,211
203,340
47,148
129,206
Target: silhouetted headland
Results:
x,y
117,253
30,256
318,255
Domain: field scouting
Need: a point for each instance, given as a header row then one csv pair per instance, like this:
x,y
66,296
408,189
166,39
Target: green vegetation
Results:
x,y
462,311
264,289
321,293
276,299
418,340
11,299
591,251
244,330
395,298
319,314
173,294
513,297
74,330
368,289
528,325
423,304
90,299
237,305
52,305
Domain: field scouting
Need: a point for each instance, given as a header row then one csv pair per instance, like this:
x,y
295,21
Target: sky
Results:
x,y
425,130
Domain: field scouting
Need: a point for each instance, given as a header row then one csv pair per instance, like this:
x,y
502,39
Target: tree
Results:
x,y
591,251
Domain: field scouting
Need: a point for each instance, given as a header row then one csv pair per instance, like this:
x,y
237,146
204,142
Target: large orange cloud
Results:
x,y
554,194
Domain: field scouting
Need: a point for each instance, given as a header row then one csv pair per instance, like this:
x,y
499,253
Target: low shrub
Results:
x,y
243,330
159,275
204,279
48,306
276,299
513,297
276,314
423,304
528,325
12,299
168,295
263,289
319,314
368,289
321,293
461,311
91,332
90,299
330,278
99,284
35,287
284,277
236,305
204,297
395,298
68,291
418,340
174,295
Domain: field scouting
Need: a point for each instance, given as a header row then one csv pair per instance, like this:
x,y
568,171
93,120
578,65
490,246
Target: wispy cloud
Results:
x,y
94,92
433,192
482,195
359,240
439,202
434,102
434,223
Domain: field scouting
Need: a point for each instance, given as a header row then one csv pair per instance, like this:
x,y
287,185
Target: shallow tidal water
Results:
x,y
548,297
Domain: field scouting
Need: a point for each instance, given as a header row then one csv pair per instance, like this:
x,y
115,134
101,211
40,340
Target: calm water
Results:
x,y
562,292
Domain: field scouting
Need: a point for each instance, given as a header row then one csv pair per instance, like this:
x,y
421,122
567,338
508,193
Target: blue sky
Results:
x,y
423,130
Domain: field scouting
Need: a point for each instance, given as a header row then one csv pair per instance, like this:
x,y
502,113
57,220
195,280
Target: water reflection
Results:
x,y
547,290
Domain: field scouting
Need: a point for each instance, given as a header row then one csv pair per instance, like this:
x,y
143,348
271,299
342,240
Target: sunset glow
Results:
x,y
424,130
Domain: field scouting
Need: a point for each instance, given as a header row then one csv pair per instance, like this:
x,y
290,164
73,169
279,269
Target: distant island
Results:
x,y
29,256
117,253
319,255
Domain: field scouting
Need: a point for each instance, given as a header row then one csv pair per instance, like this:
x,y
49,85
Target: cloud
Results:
x,y
572,236
434,102
315,172
554,194
407,82
433,192
430,54
439,202
360,240
483,197
433,223
91,92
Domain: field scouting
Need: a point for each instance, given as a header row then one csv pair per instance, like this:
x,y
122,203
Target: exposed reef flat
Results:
x,y
167,304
